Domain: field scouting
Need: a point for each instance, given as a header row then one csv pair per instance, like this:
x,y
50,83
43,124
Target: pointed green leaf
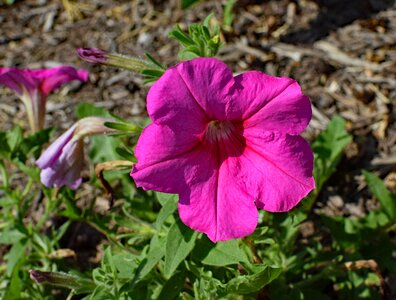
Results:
x,y
384,196
252,283
156,252
180,242
154,61
187,3
219,254
172,287
168,208
123,126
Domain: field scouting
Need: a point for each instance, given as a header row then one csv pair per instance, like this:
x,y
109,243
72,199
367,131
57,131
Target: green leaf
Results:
x,y
187,3
123,126
333,139
228,15
101,293
328,148
202,40
252,283
206,21
108,263
153,73
33,143
172,287
154,61
11,236
5,150
163,198
126,264
88,110
14,138
14,288
125,153
168,208
180,242
384,196
71,210
15,255
155,254
32,172
179,35
219,254
103,148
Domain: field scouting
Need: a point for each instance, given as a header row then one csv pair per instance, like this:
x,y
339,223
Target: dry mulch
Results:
x,y
343,53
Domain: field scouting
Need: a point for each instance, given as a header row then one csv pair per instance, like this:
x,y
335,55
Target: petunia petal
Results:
x,y
66,170
53,78
272,103
210,82
170,174
53,152
281,169
219,204
19,81
170,103
223,170
210,201
158,143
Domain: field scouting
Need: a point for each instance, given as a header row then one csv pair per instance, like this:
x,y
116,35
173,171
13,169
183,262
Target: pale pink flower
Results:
x,y
34,85
226,145
62,162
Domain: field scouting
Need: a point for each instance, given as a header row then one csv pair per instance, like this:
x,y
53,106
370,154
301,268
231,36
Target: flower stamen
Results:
x,y
218,130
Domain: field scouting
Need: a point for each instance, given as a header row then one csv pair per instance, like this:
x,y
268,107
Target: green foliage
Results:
x,y
328,148
187,3
155,72
220,254
84,110
384,196
228,15
179,243
7,2
252,283
202,40
148,253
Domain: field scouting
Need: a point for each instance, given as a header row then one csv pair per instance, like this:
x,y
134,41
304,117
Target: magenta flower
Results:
x,y
226,145
62,162
34,86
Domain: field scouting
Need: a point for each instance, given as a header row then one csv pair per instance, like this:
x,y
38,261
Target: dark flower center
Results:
x,y
218,130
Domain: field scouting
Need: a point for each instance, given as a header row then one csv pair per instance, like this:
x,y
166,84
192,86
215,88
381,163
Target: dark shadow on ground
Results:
x,y
334,14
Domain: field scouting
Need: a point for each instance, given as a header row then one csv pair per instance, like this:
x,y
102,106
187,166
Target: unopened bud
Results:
x,y
62,280
99,56
93,55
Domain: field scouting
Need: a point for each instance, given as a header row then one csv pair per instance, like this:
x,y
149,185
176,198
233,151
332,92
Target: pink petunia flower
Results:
x,y
62,162
227,145
34,86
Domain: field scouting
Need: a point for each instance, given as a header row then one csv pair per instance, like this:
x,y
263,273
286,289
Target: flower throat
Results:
x,y
218,130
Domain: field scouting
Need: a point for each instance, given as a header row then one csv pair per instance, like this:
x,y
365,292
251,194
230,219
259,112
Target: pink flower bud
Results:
x,y
62,162
93,55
